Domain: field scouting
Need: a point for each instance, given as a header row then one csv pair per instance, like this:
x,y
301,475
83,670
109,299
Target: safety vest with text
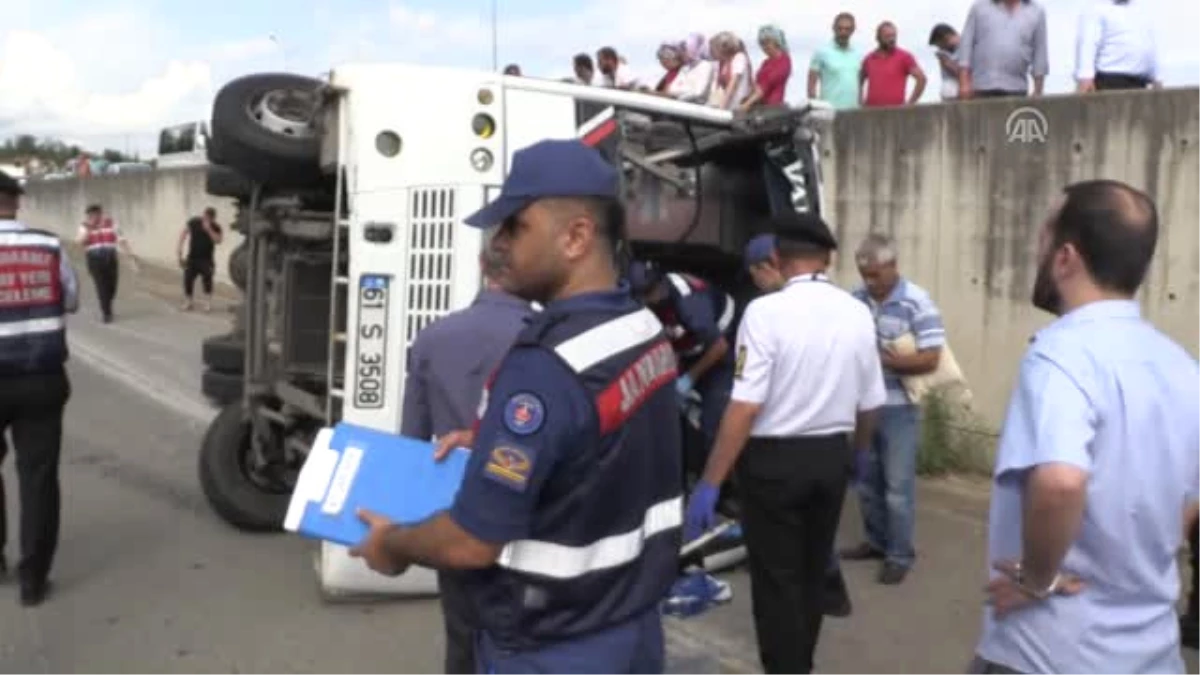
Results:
x,y
32,322
102,237
681,286
603,546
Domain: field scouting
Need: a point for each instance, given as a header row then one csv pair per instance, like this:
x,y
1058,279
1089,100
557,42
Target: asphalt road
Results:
x,y
148,579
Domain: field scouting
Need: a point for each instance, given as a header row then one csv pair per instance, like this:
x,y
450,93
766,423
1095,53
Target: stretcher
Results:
x,y
722,547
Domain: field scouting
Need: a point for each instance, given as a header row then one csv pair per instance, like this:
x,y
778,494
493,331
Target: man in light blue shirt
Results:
x,y
1096,470
1004,44
833,73
888,482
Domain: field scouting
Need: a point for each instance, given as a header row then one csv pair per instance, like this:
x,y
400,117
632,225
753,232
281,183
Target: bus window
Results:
x,y
183,145
715,187
166,142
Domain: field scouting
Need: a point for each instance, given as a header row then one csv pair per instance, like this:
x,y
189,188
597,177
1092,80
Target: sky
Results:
x,y
112,73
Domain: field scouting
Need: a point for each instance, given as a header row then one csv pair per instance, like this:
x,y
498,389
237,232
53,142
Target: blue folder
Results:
x,y
351,467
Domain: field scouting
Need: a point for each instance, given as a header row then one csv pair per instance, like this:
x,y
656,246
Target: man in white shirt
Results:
x,y
615,73
1114,47
807,378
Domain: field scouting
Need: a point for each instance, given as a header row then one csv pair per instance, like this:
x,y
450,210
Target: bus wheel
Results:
x,y
225,353
266,128
239,259
241,490
222,181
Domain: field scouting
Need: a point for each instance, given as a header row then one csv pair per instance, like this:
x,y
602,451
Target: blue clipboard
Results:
x,y
351,467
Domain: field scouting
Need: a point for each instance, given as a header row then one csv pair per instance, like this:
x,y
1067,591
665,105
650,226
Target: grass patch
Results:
x,y
954,438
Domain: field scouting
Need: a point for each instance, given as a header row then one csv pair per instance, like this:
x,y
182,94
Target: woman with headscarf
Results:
x,y
670,56
696,47
733,71
770,85
694,79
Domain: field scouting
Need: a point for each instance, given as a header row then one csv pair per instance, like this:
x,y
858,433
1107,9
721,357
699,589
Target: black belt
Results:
x,y
1104,80
778,440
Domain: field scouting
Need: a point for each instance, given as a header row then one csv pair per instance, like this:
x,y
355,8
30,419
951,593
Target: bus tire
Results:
x,y
222,181
233,495
239,259
221,388
224,353
265,127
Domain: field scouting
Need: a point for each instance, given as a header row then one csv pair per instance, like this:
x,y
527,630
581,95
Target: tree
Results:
x,y
51,152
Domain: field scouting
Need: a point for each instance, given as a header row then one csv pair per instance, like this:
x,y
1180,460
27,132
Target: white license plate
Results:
x,y
370,358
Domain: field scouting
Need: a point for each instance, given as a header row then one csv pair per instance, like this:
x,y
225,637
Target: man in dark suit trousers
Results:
x,y
448,364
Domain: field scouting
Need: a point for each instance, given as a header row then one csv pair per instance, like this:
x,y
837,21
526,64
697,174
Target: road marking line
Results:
x,y
94,357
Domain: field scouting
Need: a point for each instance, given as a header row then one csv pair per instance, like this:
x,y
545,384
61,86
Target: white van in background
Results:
x,y
183,145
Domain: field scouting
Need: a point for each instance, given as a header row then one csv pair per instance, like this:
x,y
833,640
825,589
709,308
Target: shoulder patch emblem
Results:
x,y
524,414
509,466
740,363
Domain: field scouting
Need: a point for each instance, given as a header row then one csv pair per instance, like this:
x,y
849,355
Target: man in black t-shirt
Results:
x,y
202,235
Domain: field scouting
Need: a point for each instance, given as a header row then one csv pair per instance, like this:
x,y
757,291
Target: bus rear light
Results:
x,y
481,159
483,125
485,97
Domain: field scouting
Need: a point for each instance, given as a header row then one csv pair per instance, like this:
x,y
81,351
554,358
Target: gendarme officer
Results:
x,y
568,518
37,288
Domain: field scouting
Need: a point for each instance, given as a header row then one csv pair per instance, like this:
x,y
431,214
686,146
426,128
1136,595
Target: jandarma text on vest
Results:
x,y
27,278
646,375
25,257
26,295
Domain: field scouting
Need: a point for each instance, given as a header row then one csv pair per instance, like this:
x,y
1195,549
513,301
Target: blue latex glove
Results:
x,y
862,463
683,384
701,513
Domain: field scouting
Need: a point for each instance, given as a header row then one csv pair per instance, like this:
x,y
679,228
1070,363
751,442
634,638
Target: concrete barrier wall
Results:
x,y
963,200
151,208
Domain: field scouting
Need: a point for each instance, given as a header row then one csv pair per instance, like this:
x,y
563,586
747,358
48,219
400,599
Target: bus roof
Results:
x,y
638,101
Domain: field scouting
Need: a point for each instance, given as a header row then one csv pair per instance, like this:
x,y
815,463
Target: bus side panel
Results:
x,y
412,259
534,116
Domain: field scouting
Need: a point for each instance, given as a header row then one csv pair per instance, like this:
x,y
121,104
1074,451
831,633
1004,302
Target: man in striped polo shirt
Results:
x,y
887,489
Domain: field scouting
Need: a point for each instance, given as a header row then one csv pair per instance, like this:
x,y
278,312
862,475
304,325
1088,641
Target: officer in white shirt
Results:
x,y
807,378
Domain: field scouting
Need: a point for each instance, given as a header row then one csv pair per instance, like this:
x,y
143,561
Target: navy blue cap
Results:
x,y
551,168
807,228
759,249
10,185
